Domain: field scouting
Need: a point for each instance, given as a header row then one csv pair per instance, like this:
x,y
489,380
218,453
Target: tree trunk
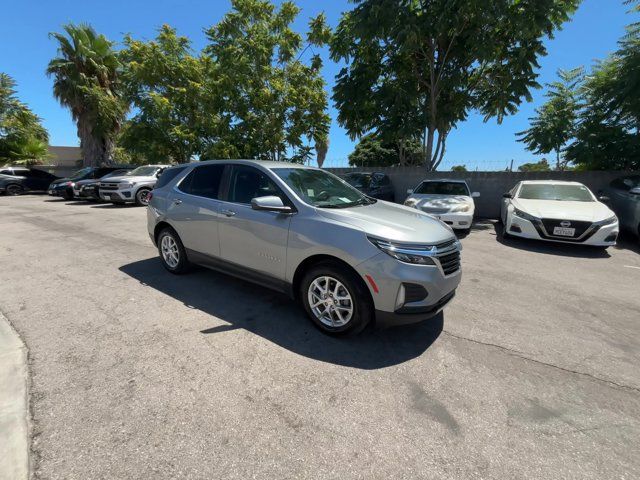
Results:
x,y
96,151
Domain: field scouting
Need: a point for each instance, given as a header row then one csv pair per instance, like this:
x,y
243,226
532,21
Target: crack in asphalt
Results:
x,y
519,354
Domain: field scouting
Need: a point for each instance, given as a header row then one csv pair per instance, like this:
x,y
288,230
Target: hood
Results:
x,y
559,210
80,183
60,180
392,222
124,178
441,201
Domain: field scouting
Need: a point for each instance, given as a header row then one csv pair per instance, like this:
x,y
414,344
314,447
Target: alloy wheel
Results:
x,y
170,251
14,190
330,301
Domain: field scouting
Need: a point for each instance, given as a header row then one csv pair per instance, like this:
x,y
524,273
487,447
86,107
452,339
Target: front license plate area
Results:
x,y
564,232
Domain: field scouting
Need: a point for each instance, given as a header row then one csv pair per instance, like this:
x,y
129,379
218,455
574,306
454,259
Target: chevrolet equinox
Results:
x,y
347,257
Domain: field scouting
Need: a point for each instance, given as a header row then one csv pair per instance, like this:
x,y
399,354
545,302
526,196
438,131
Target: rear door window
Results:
x,y
203,181
168,175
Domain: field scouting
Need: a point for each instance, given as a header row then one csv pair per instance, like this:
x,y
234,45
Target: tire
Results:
x,y
168,240
14,189
67,195
141,197
358,306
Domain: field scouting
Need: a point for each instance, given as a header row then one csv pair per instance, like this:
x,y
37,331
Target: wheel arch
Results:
x,y
159,227
313,260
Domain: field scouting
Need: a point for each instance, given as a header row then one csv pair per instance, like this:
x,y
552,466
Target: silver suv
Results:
x,y
347,257
131,187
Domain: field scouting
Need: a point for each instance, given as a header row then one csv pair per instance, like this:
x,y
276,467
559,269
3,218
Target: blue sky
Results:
x,y
25,50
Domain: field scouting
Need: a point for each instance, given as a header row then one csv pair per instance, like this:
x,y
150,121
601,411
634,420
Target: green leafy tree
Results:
x,y
164,82
85,80
459,168
416,68
541,166
554,123
273,103
23,139
373,151
608,132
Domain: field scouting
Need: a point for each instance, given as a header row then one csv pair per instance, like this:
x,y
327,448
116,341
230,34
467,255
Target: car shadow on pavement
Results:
x,y
549,248
280,320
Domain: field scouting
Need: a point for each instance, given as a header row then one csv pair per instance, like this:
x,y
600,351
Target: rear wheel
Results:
x,y
142,197
336,299
172,252
14,189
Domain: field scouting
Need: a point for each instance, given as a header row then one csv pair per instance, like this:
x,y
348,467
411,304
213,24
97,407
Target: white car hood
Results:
x,y
124,178
560,210
441,201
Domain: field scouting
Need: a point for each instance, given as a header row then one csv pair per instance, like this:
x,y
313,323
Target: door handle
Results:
x,y
228,213
177,202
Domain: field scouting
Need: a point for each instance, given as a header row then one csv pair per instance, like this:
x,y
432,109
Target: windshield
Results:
x,y
144,171
358,180
442,188
80,173
550,191
322,189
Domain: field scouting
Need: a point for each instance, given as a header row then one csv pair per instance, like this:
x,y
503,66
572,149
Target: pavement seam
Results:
x,y
519,354
25,409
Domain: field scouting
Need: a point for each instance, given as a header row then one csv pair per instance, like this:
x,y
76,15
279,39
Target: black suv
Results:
x,y
63,187
17,180
374,184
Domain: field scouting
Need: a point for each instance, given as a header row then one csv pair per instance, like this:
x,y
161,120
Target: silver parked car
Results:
x,y
347,257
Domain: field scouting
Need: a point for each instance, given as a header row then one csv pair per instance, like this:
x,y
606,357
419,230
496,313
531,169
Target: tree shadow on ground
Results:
x,y
280,320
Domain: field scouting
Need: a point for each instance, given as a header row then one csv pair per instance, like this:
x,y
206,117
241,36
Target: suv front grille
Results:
x,y
108,186
450,262
435,210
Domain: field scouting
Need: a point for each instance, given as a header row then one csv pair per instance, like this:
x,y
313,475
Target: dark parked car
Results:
x,y
88,189
623,196
373,184
17,180
63,187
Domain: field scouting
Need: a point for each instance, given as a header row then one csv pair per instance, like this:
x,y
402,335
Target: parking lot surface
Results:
x,y
531,372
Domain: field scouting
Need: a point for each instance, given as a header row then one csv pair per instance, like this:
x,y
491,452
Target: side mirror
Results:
x,y
603,198
635,191
507,195
409,191
270,203
475,194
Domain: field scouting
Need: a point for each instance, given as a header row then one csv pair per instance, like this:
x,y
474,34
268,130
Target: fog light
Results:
x,y
516,228
611,238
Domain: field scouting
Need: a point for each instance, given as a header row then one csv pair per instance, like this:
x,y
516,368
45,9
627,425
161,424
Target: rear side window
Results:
x,y
203,181
168,175
6,172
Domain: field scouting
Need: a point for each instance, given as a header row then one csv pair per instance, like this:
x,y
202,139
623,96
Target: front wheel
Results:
x,y
14,189
172,252
336,299
67,195
142,197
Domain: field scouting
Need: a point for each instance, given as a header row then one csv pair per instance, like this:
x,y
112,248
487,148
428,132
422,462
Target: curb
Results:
x,y
14,413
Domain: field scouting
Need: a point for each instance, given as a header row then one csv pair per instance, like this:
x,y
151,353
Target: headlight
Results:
x,y
525,215
607,221
417,256
411,202
127,184
460,208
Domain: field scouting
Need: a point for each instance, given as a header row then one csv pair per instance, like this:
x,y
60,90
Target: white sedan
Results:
x,y
558,211
448,200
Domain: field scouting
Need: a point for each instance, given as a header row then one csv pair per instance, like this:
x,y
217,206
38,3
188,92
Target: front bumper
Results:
x,y
457,221
604,236
120,195
391,278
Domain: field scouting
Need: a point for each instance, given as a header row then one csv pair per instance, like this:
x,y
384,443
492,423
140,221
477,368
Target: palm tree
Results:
x,y
85,77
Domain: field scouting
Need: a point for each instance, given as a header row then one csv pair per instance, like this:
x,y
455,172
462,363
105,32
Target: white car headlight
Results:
x,y
411,202
607,221
525,215
460,208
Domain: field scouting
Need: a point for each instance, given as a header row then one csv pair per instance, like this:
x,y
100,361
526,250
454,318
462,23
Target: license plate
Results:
x,y
564,232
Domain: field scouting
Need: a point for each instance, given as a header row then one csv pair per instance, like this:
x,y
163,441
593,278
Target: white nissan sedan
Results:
x,y
558,211
448,200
